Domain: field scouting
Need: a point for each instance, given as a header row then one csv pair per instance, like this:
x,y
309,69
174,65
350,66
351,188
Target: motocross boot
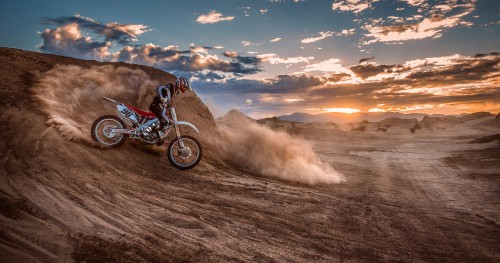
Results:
x,y
159,131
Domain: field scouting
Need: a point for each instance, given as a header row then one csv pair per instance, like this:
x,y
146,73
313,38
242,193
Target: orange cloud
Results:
x,y
213,17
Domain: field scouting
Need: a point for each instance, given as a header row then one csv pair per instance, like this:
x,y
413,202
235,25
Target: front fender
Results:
x,y
187,124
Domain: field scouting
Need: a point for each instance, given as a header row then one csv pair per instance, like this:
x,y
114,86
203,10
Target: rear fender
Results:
x,y
111,100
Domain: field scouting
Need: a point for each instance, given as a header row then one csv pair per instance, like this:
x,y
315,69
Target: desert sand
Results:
x,y
272,191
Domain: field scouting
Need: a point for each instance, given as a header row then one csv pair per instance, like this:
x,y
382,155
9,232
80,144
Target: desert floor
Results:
x,y
429,196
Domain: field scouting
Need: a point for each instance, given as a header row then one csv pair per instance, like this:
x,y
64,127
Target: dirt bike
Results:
x,y
184,152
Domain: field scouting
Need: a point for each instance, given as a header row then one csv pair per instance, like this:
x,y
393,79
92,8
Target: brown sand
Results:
x,y
424,197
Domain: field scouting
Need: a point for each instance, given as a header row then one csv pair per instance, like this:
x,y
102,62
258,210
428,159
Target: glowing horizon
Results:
x,y
341,110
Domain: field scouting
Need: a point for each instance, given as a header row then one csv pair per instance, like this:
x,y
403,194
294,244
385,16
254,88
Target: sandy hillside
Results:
x,y
289,193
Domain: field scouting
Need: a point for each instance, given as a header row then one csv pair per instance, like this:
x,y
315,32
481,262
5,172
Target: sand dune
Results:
x,y
429,196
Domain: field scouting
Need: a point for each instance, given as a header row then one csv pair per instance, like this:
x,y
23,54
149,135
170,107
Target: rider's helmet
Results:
x,y
182,84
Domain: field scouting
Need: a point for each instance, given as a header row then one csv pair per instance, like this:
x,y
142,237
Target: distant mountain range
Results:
x,y
339,117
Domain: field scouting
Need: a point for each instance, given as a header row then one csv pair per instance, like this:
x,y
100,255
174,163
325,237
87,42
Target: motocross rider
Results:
x,y
163,96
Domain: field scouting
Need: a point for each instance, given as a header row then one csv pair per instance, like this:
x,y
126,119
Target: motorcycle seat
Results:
x,y
146,114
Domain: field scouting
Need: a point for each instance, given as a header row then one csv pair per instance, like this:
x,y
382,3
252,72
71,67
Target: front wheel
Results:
x,y
187,157
101,131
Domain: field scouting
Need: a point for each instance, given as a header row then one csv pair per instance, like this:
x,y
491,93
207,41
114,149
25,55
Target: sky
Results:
x,y
276,57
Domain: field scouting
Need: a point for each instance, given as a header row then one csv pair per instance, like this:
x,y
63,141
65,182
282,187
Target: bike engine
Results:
x,y
150,136
148,132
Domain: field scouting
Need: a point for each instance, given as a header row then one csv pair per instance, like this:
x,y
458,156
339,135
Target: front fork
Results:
x,y
176,127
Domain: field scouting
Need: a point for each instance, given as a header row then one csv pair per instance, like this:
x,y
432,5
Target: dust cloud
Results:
x,y
273,153
71,96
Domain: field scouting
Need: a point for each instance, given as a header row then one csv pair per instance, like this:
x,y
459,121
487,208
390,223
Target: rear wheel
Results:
x,y
187,157
101,131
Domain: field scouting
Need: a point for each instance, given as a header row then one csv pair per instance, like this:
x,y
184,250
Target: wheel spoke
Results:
x,y
104,134
187,156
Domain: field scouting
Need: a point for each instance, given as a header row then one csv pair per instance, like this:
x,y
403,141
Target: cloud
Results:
x,y
213,17
428,28
442,7
275,39
67,40
230,54
246,43
347,32
243,59
429,20
300,83
209,76
121,33
124,33
171,59
200,49
492,54
255,61
275,59
438,19
445,83
323,35
367,70
197,62
148,54
365,60
460,80
246,10
329,65
338,77
414,2
482,68
433,61
355,6
280,85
